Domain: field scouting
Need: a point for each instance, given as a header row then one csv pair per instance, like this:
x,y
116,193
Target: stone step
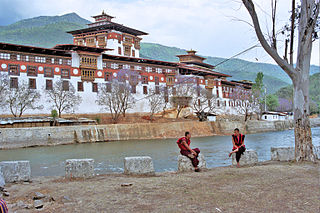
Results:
x,y
15,171
185,164
79,168
249,157
139,165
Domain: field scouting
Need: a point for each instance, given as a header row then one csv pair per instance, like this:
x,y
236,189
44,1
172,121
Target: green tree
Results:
x,y
272,102
258,94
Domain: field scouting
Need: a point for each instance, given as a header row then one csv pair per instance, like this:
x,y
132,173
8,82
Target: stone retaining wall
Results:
x,y
46,136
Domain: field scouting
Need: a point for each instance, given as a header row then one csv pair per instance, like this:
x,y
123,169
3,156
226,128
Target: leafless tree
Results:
x,y
63,97
128,79
22,98
4,86
126,98
115,98
183,92
156,101
204,102
299,74
244,103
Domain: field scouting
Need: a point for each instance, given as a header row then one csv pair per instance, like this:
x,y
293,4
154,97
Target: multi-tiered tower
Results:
x,y
104,33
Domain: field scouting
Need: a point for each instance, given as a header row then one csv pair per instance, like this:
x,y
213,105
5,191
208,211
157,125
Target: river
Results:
x,y
49,161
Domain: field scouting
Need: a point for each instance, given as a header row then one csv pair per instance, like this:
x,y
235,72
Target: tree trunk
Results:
x,y
302,130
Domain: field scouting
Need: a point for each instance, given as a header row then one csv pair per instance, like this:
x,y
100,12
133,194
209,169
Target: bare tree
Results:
x,y
243,101
204,102
22,98
183,92
180,102
128,80
4,86
115,97
63,97
299,75
156,101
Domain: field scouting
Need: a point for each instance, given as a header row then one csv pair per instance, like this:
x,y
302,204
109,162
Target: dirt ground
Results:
x,y
267,187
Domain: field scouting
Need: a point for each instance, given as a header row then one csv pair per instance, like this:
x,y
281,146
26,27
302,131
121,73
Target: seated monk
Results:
x,y
192,154
238,145
3,206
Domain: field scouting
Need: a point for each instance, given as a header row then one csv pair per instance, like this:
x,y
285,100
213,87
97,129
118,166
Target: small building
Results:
x,y
206,116
211,117
277,116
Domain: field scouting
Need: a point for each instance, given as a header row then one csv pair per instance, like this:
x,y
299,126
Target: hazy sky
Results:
x,y
208,26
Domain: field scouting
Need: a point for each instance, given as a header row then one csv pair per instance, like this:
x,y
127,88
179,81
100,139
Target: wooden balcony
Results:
x,y
87,75
127,43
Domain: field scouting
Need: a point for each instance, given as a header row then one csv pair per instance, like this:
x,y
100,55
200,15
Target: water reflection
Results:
x,y
49,161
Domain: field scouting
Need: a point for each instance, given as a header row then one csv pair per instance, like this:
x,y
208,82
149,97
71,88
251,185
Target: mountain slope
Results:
x,y
43,31
314,92
314,89
274,77
45,20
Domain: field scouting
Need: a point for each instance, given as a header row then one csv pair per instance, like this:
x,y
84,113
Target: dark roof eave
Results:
x,y
111,25
233,83
32,49
192,56
198,63
140,60
69,47
205,72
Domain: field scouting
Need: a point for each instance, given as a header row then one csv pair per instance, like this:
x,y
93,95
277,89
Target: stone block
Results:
x,y
247,158
282,153
79,168
141,165
316,151
15,171
185,164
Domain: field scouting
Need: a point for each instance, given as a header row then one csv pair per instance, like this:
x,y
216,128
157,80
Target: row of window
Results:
x,y
65,86
135,67
80,88
14,69
37,59
88,61
144,78
127,51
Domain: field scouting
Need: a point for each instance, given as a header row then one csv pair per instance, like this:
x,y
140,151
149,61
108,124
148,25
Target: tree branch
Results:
x,y
271,51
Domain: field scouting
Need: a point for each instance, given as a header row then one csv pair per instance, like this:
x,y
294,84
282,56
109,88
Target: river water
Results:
x,y
49,161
